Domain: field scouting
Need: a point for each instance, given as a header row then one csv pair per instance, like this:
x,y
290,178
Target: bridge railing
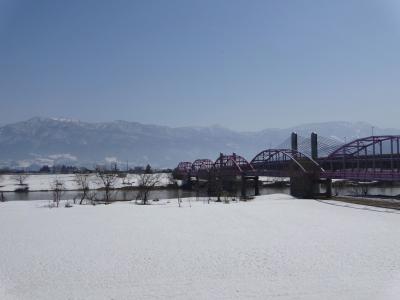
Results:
x,y
360,175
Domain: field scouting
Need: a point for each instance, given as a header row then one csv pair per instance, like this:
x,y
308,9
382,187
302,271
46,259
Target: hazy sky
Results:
x,y
246,64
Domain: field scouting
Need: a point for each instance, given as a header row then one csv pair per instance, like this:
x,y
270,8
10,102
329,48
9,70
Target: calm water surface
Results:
x,y
171,194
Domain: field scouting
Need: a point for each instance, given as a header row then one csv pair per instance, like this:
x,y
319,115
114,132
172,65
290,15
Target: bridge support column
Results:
x,y
304,187
308,187
243,187
314,146
328,188
256,187
209,182
197,187
187,183
294,141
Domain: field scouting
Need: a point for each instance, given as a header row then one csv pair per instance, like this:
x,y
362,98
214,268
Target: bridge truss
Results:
x,y
284,163
369,158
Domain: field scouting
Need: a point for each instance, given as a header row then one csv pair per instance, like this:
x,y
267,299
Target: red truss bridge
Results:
x,y
373,158
369,158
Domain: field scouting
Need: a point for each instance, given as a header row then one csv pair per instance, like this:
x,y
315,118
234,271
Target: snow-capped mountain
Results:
x,y
50,141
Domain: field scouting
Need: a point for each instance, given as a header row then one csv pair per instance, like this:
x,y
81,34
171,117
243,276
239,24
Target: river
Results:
x,y
126,195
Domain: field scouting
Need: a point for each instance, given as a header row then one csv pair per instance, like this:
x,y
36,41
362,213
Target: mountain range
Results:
x,y
47,141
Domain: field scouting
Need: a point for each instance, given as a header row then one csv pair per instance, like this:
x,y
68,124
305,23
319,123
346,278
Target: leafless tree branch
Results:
x,y
58,190
83,181
107,180
146,183
20,179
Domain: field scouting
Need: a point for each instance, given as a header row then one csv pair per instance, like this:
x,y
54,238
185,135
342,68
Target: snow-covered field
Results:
x,y
273,247
43,182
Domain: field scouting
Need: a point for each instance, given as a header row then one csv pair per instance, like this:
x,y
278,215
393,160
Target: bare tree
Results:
x,y
21,178
92,197
146,183
83,181
58,189
215,187
107,181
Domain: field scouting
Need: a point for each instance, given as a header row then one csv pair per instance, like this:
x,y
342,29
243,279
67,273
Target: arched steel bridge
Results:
x,y
369,158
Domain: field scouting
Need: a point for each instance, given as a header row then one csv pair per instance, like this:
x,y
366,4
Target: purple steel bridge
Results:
x,y
371,158
374,158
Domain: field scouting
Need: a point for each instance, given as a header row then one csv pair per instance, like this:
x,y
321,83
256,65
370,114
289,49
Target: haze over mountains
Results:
x,y
40,141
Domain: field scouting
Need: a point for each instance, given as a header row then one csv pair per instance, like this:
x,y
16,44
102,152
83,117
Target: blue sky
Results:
x,y
246,65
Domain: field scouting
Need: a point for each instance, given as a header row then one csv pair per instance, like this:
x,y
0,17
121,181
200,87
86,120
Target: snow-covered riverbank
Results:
x,y
273,247
43,182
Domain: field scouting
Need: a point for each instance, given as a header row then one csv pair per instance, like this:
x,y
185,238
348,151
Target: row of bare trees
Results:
x,y
107,182
103,179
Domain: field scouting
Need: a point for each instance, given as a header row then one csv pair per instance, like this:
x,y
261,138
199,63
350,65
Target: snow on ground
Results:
x,y
273,247
42,182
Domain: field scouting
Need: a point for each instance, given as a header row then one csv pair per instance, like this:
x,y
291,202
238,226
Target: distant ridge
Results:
x,y
40,141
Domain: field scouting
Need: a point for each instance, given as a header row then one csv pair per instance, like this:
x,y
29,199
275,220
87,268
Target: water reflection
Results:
x,y
127,195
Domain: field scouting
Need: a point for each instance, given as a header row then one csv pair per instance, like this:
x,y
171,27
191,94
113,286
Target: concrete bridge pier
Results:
x,y
256,187
304,186
328,184
244,185
197,187
214,186
300,186
187,183
308,185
